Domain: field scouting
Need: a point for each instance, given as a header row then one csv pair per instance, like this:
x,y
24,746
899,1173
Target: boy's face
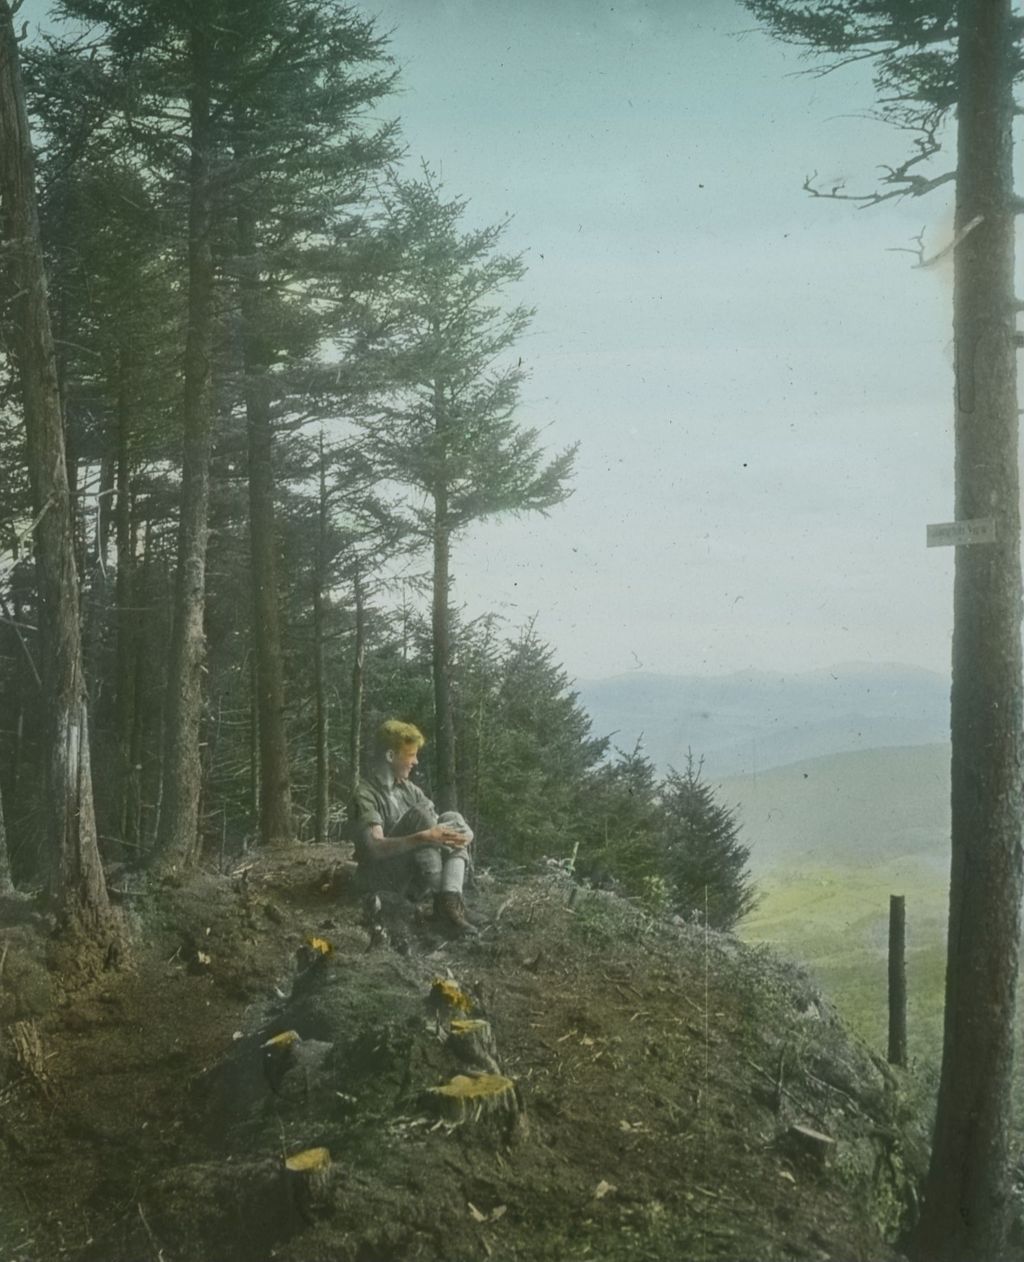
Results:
x,y
403,760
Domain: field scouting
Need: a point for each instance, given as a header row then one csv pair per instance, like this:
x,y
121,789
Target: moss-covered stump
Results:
x,y
307,1181
472,1042
473,1098
447,999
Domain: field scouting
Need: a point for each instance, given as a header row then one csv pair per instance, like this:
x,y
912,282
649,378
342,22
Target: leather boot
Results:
x,y
451,911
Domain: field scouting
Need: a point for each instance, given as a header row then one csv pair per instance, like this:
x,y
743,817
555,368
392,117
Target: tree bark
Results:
x,y
322,787
178,839
6,882
966,1208
445,793
358,686
125,698
76,874
444,730
254,746
275,776
18,708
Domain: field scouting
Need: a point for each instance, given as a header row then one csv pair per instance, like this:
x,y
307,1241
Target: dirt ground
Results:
x,y
659,1072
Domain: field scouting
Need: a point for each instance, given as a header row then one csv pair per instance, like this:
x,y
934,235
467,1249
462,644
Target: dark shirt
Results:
x,y
385,801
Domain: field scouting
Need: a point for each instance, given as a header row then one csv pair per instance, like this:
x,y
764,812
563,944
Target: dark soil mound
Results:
x,y
674,1094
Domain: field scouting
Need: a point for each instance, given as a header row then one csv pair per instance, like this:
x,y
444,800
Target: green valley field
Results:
x,y
831,839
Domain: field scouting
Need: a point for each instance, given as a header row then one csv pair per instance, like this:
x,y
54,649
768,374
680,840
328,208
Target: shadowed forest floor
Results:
x,y
660,1070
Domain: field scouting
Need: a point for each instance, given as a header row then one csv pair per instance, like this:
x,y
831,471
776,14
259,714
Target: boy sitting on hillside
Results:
x,y
400,842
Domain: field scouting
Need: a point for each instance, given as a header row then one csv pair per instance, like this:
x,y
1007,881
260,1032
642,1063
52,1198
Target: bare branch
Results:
x,y
917,251
896,181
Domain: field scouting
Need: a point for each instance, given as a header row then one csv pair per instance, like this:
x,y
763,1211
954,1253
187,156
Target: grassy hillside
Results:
x,y
831,839
853,809
835,921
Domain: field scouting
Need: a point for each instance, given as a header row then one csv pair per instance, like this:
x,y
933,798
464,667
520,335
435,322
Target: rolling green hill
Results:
x,y
851,809
831,839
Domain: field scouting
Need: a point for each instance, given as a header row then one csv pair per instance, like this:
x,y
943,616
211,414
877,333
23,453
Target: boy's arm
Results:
x,y
377,846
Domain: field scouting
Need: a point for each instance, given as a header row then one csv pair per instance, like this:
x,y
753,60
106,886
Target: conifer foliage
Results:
x,y
290,380
704,861
436,349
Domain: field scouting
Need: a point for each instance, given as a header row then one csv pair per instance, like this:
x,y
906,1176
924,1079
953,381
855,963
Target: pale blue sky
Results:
x,y
761,389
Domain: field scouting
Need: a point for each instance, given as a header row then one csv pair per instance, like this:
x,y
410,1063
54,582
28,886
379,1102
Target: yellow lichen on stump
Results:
x,y
309,1159
447,996
280,1041
468,1099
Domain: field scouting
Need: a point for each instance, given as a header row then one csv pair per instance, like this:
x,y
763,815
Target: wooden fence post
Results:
x,y
897,980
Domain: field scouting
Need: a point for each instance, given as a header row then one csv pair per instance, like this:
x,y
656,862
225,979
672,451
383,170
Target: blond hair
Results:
x,y
395,735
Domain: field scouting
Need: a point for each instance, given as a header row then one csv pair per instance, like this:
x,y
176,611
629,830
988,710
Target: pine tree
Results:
x,y
77,876
622,818
705,863
436,345
249,117
526,743
307,75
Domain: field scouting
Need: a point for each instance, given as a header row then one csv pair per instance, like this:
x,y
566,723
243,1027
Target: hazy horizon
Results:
x,y
770,671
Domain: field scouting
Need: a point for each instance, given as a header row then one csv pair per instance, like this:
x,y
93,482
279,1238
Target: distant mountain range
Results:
x,y
748,722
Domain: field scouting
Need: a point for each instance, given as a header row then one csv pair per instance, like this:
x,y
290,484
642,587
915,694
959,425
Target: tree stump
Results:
x,y
277,1056
28,1054
295,1067
470,1099
812,1144
307,1181
472,1042
446,999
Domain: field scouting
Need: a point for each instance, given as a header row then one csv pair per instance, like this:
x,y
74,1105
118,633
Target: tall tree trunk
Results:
x,y
18,700
133,830
77,876
275,777
178,839
254,747
445,792
126,775
104,502
966,1209
95,611
322,791
6,883
358,685
444,729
